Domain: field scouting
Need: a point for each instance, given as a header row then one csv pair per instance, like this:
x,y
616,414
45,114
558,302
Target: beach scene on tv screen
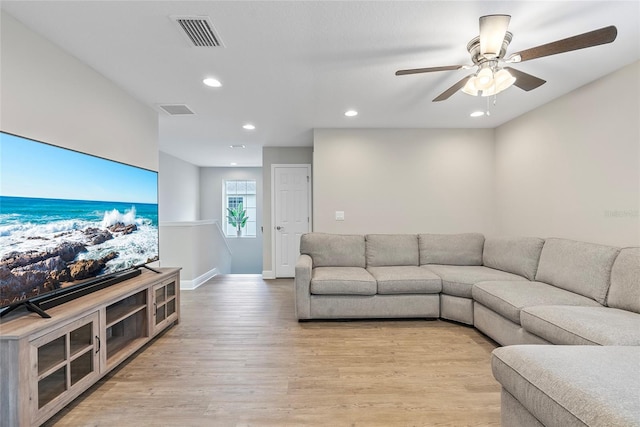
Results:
x,y
67,217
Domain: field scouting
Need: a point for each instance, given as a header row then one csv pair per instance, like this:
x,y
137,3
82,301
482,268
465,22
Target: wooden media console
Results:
x,y
46,363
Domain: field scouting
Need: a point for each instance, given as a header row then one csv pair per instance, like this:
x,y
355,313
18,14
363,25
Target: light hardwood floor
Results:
x,y
239,357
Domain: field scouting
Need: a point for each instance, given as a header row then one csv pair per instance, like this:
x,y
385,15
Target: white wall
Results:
x,y
48,95
271,156
571,168
403,180
179,189
246,251
198,247
194,245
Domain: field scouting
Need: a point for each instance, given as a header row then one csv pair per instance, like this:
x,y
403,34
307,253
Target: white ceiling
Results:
x,y
291,66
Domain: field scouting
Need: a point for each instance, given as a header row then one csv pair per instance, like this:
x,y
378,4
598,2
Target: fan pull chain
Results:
x,y
488,113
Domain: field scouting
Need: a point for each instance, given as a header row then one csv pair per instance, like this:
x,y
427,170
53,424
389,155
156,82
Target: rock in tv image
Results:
x,y
67,218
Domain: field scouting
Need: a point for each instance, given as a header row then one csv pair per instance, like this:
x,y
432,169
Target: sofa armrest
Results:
x,y
303,286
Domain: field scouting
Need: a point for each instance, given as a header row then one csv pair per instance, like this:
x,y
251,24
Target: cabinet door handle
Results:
x,y
99,344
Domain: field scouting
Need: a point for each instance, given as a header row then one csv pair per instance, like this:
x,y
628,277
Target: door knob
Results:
x,y
279,228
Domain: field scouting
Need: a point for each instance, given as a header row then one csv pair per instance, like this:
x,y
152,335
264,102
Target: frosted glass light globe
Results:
x,y
484,80
470,87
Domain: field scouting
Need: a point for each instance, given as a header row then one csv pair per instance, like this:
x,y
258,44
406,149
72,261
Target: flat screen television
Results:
x,y
70,222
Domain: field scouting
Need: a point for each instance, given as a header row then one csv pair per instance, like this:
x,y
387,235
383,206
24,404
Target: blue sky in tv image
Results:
x,y
53,199
35,169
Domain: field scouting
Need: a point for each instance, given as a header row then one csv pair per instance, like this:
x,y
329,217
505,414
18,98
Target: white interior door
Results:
x,y
292,203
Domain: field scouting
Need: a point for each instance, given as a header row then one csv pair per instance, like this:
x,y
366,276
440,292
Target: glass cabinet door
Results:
x,y
165,301
63,359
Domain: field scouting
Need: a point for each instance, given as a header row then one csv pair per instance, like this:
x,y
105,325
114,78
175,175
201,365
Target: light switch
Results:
x,y
339,215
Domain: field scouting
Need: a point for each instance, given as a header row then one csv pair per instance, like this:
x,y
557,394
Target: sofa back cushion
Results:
x,y
517,255
391,250
580,267
334,250
624,292
451,249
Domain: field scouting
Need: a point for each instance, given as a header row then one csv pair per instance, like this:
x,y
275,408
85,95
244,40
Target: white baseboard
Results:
x,y
268,274
189,285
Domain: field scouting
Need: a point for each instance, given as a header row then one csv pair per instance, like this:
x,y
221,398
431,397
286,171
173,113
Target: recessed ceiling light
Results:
x,y
234,164
477,114
238,146
248,126
211,82
351,113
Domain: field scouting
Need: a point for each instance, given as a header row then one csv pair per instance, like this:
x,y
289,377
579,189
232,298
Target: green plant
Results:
x,y
237,217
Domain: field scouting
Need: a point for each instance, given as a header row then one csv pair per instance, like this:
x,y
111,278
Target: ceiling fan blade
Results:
x,y
592,38
453,89
429,70
492,31
525,81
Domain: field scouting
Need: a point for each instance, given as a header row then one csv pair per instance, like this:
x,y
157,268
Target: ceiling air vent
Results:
x,y
199,30
176,109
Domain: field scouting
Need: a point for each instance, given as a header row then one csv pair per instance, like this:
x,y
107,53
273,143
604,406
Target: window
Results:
x,y
240,194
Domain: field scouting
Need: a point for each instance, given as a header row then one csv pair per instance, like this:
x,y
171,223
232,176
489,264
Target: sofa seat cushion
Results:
x,y
457,280
582,325
572,385
508,298
342,281
406,280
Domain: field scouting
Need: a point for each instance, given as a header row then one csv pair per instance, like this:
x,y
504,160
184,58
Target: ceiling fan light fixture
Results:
x,y
470,87
503,80
489,92
484,79
492,32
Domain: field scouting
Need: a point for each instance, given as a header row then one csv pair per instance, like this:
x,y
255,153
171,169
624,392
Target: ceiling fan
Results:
x,y
488,52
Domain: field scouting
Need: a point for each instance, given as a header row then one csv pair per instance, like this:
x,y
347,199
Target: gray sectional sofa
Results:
x,y
522,290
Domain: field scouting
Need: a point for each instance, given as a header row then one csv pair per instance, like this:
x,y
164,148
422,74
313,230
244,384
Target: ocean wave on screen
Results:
x,y
114,217
41,230
58,227
8,229
133,249
26,236
9,217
